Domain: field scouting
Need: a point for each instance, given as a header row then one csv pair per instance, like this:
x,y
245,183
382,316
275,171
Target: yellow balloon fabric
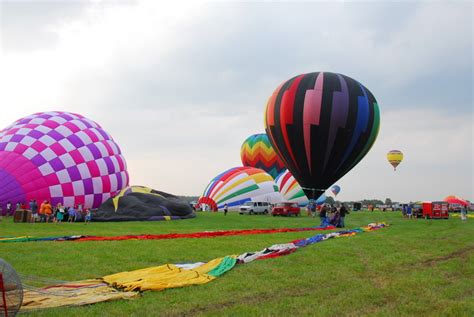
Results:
x,y
162,277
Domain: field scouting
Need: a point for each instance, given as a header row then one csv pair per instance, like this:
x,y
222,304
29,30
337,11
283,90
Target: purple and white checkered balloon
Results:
x,y
61,157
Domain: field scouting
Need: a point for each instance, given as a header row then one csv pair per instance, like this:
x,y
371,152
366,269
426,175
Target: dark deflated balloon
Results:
x,y
321,125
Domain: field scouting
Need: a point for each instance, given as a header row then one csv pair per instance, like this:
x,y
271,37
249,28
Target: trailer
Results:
x,y
435,210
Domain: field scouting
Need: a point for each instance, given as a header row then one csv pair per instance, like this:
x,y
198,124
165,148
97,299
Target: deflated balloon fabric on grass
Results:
x,y
204,234
165,276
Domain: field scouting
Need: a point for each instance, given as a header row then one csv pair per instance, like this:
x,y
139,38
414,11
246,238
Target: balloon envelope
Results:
x,y
321,200
257,151
61,157
290,189
395,157
321,125
335,189
239,185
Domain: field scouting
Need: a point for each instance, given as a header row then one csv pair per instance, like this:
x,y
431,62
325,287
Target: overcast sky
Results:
x,y
181,85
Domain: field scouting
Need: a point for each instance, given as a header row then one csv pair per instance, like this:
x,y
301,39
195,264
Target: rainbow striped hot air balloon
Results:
x,y
239,185
256,151
290,189
395,157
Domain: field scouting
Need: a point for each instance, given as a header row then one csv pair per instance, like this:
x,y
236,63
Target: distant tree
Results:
x,y
373,202
388,201
189,198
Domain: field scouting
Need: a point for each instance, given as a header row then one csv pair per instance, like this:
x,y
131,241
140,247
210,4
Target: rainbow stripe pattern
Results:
x,y
257,151
239,185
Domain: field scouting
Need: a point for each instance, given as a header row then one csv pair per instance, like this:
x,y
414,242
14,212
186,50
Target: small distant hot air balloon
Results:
x,y
395,157
335,190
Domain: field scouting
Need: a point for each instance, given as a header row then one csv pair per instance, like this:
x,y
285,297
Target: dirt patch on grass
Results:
x,y
243,300
461,253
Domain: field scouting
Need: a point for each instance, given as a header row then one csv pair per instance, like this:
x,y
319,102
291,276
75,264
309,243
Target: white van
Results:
x,y
255,207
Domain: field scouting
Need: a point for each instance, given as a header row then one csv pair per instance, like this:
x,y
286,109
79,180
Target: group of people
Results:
x,y
45,212
409,211
329,214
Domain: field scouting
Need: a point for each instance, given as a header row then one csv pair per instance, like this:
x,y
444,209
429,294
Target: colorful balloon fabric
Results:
x,y
290,189
239,185
164,236
395,157
257,151
335,190
321,125
165,276
61,157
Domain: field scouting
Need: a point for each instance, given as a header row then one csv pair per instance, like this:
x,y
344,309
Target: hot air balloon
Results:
x,y
257,151
61,157
335,189
321,125
321,200
395,157
239,185
290,189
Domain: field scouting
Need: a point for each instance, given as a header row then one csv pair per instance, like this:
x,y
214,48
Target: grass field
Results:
x,y
414,267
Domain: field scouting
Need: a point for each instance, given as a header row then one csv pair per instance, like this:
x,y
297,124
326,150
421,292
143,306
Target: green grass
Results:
x,y
414,267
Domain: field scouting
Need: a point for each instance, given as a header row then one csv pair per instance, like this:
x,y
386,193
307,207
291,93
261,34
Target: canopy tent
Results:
x,y
456,200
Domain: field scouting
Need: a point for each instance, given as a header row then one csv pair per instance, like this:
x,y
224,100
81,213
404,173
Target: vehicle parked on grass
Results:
x,y
255,207
286,209
435,210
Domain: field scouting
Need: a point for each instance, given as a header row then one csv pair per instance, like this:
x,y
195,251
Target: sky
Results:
x,y
180,85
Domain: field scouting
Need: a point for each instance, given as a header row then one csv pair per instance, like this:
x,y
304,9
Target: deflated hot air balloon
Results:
x,y
257,151
61,157
335,189
395,157
135,203
321,125
239,185
290,189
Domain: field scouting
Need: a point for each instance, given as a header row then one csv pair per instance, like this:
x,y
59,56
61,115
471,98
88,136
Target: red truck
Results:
x,y
286,209
435,209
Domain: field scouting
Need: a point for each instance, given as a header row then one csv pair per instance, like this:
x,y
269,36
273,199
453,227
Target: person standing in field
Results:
x,y
409,211
312,208
323,216
225,210
343,211
34,210
59,213
72,215
46,210
464,213
88,216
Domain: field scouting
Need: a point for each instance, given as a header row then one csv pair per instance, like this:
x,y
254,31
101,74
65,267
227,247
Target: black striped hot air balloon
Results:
x,y
321,125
